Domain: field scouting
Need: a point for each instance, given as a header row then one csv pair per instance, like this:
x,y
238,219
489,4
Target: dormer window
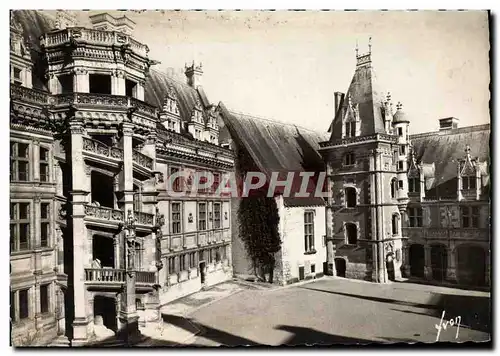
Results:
x,y
16,73
197,134
350,129
414,185
349,159
468,182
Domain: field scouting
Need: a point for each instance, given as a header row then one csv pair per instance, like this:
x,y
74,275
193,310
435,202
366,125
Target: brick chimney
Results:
x,y
448,123
194,74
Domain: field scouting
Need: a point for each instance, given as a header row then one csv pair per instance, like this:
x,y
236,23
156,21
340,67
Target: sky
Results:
x,y
286,65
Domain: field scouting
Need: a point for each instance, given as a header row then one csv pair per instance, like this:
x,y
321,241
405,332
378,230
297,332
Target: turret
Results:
x,y
400,126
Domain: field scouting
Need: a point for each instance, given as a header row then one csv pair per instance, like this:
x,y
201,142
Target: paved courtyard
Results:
x,y
335,311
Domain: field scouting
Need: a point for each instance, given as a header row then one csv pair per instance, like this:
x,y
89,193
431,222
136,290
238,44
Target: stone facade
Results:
x,y
91,213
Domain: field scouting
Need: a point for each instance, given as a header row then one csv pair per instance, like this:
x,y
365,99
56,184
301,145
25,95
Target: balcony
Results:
x,y
103,213
18,92
102,150
144,218
112,278
79,35
142,160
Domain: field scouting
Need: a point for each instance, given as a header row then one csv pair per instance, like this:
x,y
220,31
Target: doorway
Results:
x,y
105,306
439,261
417,260
202,272
340,266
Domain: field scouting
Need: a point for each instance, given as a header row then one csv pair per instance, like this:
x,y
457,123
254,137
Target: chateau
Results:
x,y
99,242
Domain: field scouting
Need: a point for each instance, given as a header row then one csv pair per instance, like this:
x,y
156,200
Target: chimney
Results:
x,y
106,22
194,74
448,123
338,98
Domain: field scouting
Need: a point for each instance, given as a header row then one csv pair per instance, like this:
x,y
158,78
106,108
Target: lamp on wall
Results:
x,y
210,216
225,215
190,218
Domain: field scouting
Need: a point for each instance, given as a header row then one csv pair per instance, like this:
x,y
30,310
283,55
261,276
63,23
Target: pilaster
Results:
x,y
81,81
118,83
140,90
35,161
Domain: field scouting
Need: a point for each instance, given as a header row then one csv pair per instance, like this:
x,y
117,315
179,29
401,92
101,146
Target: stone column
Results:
x,y
330,257
36,160
80,248
128,313
427,265
451,274
81,81
140,90
118,83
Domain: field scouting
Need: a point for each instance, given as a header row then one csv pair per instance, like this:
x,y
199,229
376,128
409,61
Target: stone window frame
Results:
x,y
48,306
394,187
44,163
349,159
415,216
472,216
16,305
15,219
395,224
16,80
15,159
309,245
172,220
346,237
202,227
46,220
415,183
217,216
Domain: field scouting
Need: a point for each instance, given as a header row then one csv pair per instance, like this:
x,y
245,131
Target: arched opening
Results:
x,y
395,224
102,189
104,307
351,231
439,262
389,265
340,266
350,197
417,260
471,265
103,251
394,187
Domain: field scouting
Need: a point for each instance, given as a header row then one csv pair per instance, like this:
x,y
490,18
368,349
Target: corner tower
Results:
x,y
363,159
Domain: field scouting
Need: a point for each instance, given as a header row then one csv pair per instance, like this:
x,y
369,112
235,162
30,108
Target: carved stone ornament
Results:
x,y
190,218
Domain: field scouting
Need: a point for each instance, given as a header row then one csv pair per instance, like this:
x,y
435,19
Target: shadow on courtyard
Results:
x,y
475,311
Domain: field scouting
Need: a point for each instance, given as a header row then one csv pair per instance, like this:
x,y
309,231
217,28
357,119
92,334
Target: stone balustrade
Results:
x,y
144,218
101,149
99,212
145,277
19,92
142,160
105,275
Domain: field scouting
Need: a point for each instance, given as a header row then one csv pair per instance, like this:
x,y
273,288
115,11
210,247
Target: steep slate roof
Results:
x,y
445,149
277,147
364,91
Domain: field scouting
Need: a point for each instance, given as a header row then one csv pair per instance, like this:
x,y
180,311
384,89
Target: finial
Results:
x,y
370,45
357,48
349,99
399,106
388,96
467,150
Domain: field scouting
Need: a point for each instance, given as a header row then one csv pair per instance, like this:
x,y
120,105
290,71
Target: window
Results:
x,y
468,182
137,198
99,84
182,262
12,306
351,231
176,218
44,298
216,215
400,131
66,83
218,254
470,216
19,226
176,184
415,217
210,255
400,165
44,224
201,256
197,134
350,197
309,231
402,149
394,187
172,267
202,216
23,304
349,159
17,76
400,184
395,224
130,88
313,268
44,164
202,176
215,186
350,129
414,185
192,260
19,161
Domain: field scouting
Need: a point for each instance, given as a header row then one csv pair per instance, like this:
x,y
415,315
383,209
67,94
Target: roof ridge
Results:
x,y
171,77
276,121
465,129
